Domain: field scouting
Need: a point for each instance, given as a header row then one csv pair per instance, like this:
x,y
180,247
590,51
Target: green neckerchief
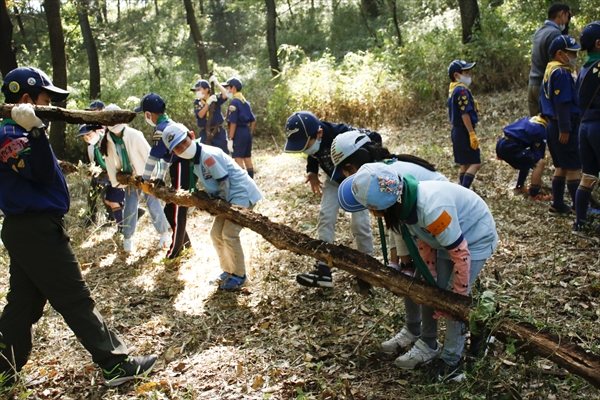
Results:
x,y
126,164
98,157
164,117
591,58
409,200
8,121
193,187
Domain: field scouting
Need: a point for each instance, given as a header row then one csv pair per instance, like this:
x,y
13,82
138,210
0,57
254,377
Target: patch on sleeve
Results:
x,y
210,161
440,224
232,108
12,148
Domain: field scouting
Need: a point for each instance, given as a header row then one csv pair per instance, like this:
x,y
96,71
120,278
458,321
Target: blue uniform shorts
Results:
x,y
565,156
461,145
589,147
114,195
515,154
242,142
219,140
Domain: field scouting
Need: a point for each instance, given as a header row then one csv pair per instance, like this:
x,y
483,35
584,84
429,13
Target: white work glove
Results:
x,y
230,146
211,99
24,115
213,79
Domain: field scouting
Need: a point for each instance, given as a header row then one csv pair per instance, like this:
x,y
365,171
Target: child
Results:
x,y
221,177
588,89
463,115
306,134
207,107
455,234
523,147
241,122
560,106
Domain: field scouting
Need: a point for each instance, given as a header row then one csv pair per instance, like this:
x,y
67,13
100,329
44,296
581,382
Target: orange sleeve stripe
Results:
x,y
440,224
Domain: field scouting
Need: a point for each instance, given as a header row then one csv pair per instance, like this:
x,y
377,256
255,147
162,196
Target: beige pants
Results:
x,y
225,236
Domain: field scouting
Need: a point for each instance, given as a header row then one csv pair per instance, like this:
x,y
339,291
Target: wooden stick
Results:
x,y
52,113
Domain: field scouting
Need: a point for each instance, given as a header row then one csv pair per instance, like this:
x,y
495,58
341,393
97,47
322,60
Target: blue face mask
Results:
x,y
314,148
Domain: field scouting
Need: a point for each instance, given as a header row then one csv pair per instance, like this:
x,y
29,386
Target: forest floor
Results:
x,y
278,340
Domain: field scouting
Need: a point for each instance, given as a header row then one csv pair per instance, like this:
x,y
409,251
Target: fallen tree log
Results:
x,y
52,113
526,336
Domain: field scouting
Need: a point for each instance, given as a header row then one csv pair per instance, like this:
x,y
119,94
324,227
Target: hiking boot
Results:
x,y
420,354
399,342
442,372
520,191
128,245
234,282
129,369
560,210
540,197
220,279
165,240
316,278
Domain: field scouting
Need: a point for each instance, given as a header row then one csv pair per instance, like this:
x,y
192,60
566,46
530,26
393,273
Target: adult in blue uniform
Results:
x,y
207,107
588,91
43,267
523,147
559,103
241,122
154,108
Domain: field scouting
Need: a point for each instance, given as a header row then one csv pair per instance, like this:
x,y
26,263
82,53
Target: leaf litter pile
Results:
x,y
278,340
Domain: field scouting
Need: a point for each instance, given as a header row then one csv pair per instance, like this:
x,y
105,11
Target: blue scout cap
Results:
x,y
375,186
459,66
236,83
174,134
200,84
589,35
84,129
96,105
300,128
19,80
563,42
152,103
343,146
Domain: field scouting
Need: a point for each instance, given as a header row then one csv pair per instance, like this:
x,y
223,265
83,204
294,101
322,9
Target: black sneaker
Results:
x,y
316,278
560,210
129,369
442,372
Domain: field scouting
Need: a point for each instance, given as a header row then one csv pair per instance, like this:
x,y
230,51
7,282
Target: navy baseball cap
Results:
x,y
96,105
20,79
84,129
459,66
564,43
589,35
152,103
300,128
236,83
200,84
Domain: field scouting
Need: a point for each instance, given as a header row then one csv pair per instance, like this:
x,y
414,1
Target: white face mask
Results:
x,y
117,128
199,94
562,27
229,94
465,80
92,140
314,148
188,153
149,121
572,62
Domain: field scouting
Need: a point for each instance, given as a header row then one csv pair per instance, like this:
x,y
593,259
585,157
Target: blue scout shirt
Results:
x,y
530,132
159,149
212,166
240,112
460,102
587,86
30,178
217,117
558,88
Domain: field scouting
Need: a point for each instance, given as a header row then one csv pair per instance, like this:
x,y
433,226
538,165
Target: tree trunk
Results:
x,y
569,356
197,36
8,60
201,7
59,71
272,36
156,7
371,8
20,22
57,114
394,11
469,17
90,47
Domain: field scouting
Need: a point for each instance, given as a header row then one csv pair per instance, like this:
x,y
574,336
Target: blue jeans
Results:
x,y
131,209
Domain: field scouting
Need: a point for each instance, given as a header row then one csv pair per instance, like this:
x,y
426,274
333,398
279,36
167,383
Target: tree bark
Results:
x,y
59,71
57,114
371,8
90,47
20,22
8,60
197,36
272,36
394,11
569,356
469,17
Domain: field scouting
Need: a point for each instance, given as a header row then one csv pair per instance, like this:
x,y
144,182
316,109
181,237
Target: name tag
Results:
x,y
12,148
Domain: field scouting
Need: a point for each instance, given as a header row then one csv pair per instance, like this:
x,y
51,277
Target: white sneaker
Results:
x,y
399,342
165,240
128,245
419,354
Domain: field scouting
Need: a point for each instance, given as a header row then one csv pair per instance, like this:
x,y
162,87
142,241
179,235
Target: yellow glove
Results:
x,y
474,140
146,188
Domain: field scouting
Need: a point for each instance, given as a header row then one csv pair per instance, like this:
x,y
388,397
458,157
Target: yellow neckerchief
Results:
x,y
550,68
240,96
453,86
538,120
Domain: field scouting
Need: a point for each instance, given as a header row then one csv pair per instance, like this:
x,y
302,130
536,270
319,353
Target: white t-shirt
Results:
x,y
418,172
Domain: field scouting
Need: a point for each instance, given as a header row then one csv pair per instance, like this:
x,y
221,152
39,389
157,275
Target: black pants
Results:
x,y
177,215
44,268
